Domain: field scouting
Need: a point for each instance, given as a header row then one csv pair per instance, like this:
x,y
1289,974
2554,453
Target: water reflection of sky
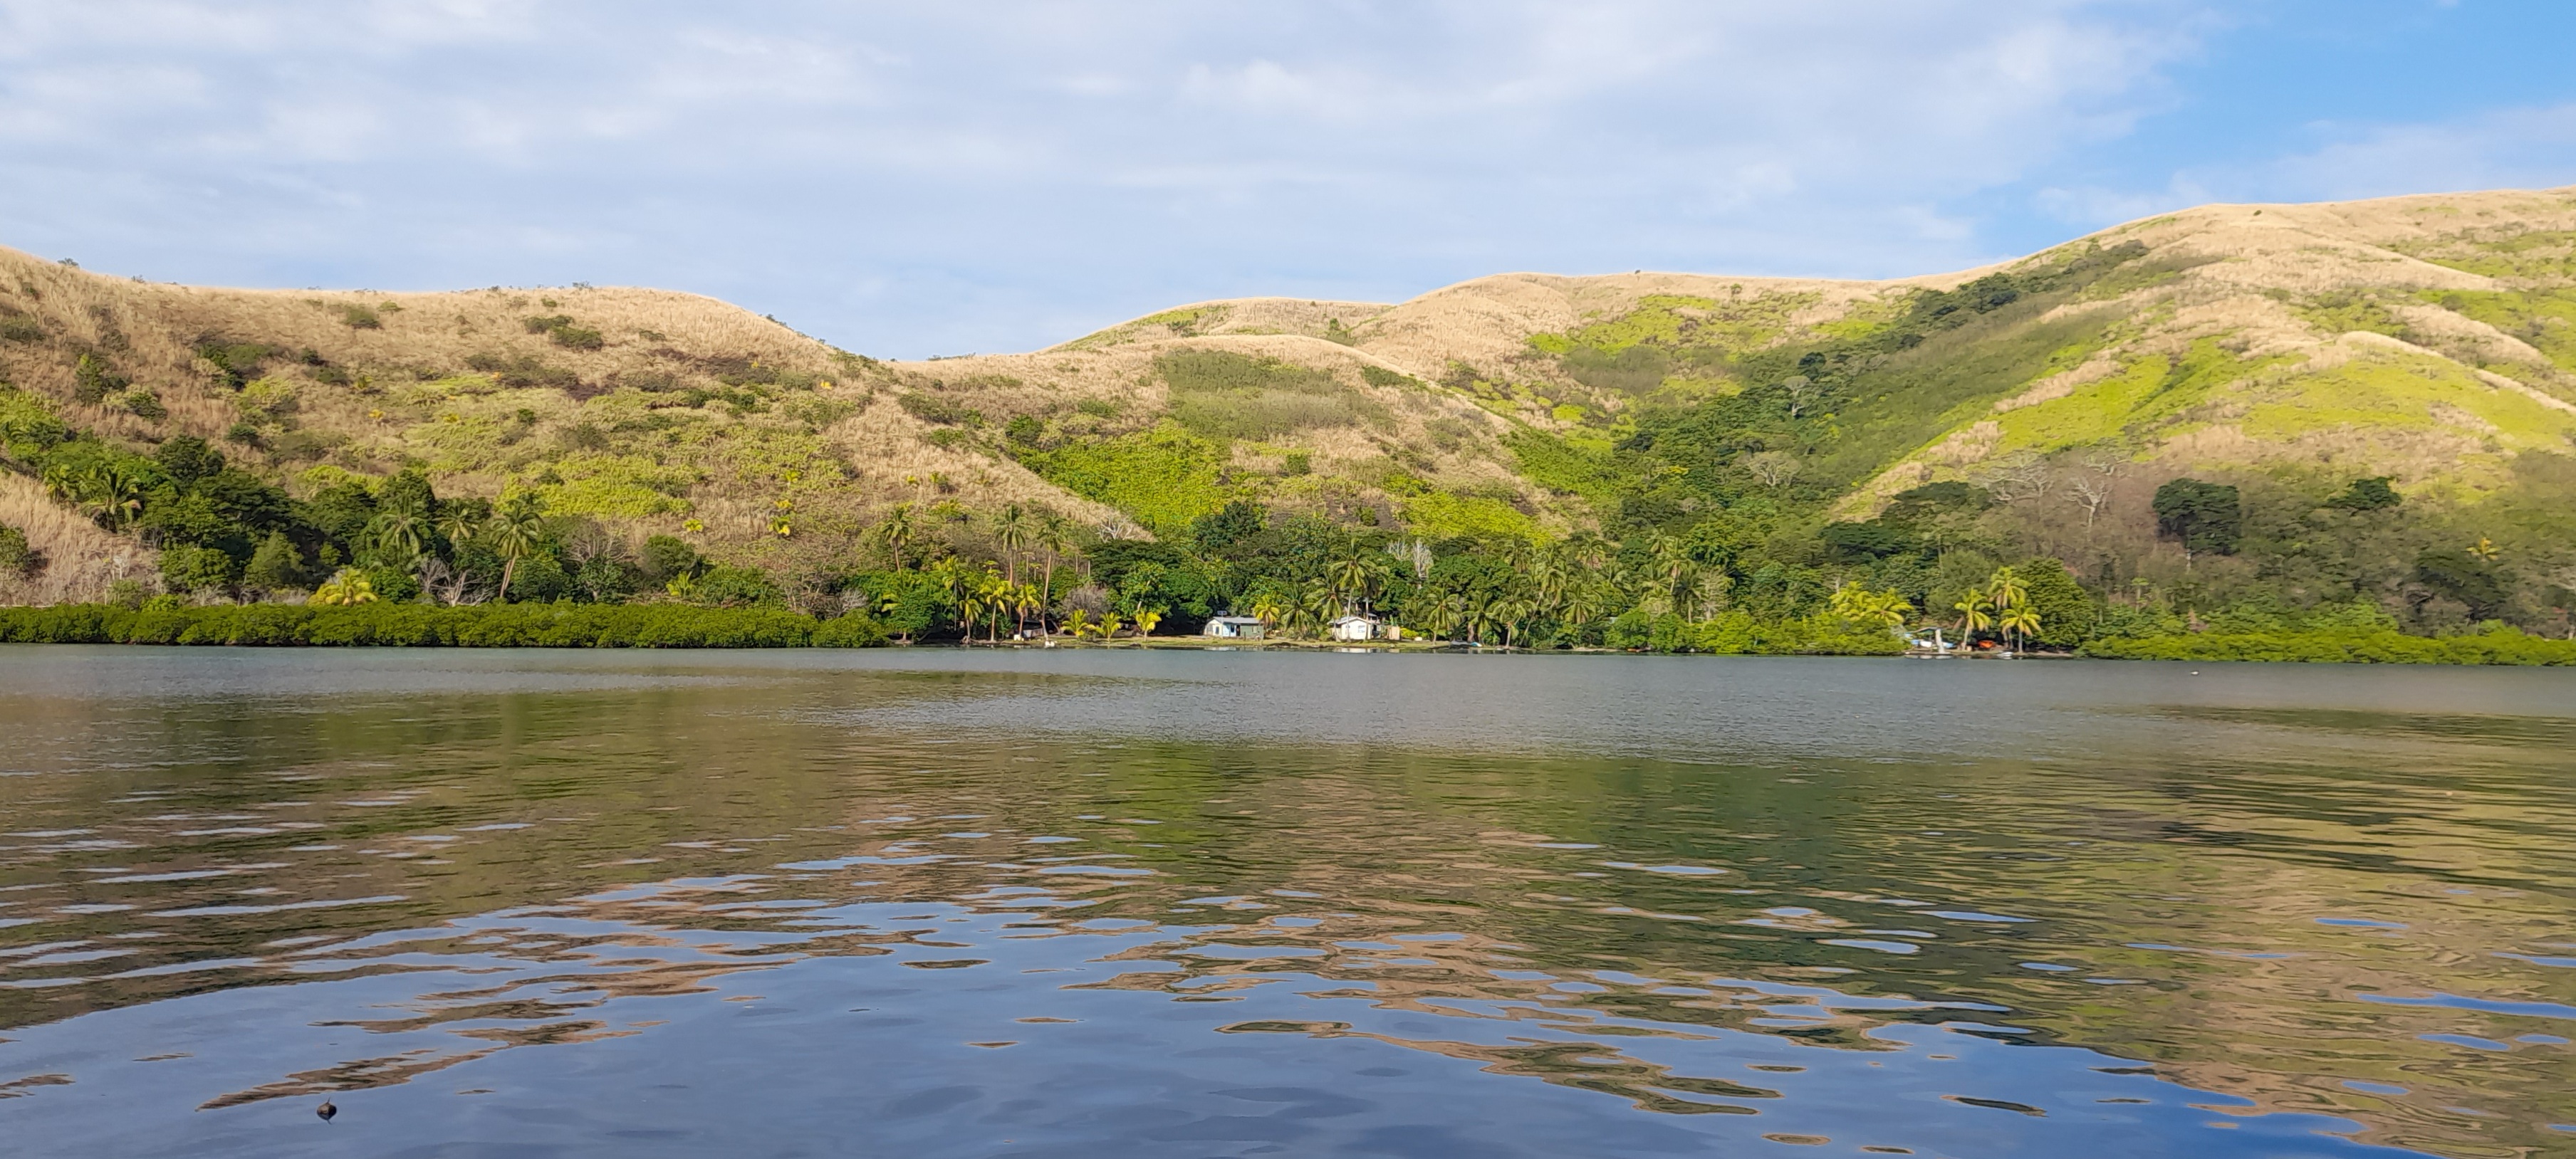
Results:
x,y
1235,904
716,1016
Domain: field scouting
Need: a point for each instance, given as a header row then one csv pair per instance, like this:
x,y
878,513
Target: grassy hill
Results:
x,y
2379,387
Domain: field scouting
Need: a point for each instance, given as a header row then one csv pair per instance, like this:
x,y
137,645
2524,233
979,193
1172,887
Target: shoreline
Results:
x,y
684,626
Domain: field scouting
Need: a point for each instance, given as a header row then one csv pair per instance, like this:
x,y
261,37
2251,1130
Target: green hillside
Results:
x,y
2236,421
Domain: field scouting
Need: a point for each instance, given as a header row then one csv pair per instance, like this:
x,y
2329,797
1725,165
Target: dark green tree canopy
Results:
x,y
2206,517
2368,495
187,459
2481,586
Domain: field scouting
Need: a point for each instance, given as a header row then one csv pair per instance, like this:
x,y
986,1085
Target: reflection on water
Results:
x,y
1234,904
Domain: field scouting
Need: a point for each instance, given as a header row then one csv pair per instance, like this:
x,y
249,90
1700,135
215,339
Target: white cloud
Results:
x,y
910,179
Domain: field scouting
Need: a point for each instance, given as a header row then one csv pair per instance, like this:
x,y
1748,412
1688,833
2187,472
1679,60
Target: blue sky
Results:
x,y
914,179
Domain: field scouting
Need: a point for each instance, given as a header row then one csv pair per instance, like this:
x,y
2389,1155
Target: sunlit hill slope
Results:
x,y
2431,340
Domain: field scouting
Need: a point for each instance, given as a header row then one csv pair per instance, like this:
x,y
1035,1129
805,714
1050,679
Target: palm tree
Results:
x,y
992,594
1011,530
970,606
895,531
1859,605
1588,551
1973,618
1479,617
1510,613
457,524
514,529
953,577
1581,603
2021,620
1025,598
1557,577
1055,535
1109,625
345,589
396,534
1147,619
1672,565
111,493
1454,615
1351,577
1077,622
1314,608
61,482
2007,589
1269,608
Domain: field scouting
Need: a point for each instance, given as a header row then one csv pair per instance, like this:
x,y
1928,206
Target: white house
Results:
x,y
1357,628
1235,627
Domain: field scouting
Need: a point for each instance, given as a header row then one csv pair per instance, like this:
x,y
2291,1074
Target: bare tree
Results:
x,y
1802,392
449,584
2022,475
2096,477
1772,468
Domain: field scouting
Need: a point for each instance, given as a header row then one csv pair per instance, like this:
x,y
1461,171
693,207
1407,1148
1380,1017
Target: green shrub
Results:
x,y
17,559
1163,478
361,318
187,568
276,566
27,423
20,328
931,408
524,372
2499,645
576,338
668,557
1224,395
93,380
145,405
236,362
1741,634
387,625
853,630
735,587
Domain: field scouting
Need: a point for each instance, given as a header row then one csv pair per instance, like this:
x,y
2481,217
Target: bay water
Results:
x,y
1201,903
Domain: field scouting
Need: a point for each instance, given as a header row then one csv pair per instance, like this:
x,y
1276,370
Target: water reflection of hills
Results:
x,y
667,838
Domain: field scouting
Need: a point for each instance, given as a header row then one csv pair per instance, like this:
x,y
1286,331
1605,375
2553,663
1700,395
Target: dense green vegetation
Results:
x,y
225,533
2499,645
1742,454
423,626
1748,475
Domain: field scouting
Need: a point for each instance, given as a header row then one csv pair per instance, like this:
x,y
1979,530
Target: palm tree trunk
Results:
x,y
508,567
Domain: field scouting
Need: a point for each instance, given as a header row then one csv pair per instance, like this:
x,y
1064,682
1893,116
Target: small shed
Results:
x,y
1235,627
1354,628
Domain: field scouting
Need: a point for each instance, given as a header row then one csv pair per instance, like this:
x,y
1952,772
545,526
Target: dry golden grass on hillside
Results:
x,y
602,399
2252,279
1109,389
80,559
658,411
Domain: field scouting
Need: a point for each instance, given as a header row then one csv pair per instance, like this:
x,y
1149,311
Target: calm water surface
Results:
x,y
1215,904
